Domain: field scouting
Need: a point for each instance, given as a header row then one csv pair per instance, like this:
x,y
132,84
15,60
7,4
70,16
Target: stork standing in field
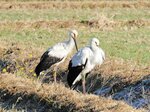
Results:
x,y
83,62
57,54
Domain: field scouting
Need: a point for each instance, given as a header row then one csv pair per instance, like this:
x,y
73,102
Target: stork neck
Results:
x,y
96,54
70,43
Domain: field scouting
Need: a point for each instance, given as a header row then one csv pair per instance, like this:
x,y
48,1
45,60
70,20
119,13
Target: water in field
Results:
x,y
136,95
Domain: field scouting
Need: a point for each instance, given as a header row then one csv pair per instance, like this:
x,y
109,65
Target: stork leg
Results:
x,y
83,84
55,73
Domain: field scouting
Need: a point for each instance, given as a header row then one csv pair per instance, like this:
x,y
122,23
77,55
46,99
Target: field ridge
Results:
x,y
74,4
19,91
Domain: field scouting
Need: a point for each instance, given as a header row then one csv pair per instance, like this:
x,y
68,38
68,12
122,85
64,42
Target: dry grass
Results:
x,y
27,58
61,96
113,71
74,4
102,23
128,71
19,58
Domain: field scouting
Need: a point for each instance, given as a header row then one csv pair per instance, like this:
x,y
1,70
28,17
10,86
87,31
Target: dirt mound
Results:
x,y
8,64
22,93
102,23
12,61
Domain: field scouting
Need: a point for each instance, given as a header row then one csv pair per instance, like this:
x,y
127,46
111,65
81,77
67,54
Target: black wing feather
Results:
x,y
73,74
46,62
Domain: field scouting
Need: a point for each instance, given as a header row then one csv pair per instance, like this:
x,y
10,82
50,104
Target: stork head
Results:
x,y
73,34
94,42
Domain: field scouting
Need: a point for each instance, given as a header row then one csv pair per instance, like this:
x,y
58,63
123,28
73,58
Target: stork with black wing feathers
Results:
x,y
83,62
57,54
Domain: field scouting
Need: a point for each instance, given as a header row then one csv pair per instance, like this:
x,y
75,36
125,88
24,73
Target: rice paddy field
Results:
x,y
120,84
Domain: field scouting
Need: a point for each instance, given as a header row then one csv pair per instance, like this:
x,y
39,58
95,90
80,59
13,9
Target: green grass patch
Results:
x,y
131,45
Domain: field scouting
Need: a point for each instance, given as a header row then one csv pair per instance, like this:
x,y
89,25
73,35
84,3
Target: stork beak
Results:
x,y
75,44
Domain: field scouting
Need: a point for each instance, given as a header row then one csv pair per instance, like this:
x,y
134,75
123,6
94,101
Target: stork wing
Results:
x,y
53,55
77,64
46,62
101,55
59,50
81,56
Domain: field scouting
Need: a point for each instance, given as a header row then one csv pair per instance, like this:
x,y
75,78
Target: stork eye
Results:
x,y
96,43
74,35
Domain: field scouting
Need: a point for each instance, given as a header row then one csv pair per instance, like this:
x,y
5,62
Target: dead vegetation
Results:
x,y
14,60
112,72
102,23
74,4
19,91
25,60
127,70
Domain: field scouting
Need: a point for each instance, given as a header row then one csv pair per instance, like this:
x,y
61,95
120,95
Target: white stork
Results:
x,y
83,62
57,54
